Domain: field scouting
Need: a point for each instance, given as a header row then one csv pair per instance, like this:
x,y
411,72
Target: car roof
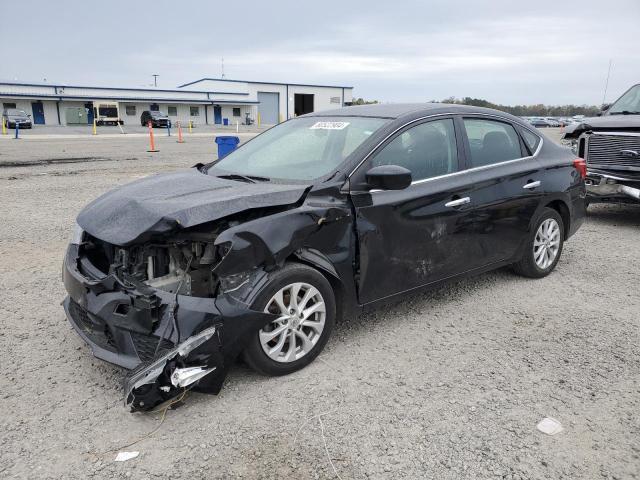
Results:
x,y
400,110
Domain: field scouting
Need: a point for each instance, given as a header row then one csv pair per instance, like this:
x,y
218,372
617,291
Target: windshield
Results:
x,y
157,114
629,102
108,111
16,112
300,149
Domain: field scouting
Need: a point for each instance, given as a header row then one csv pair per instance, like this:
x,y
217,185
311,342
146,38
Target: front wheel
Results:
x,y
544,246
304,302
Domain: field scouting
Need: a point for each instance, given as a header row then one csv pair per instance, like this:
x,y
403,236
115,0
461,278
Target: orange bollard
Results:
x,y
180,140
152,145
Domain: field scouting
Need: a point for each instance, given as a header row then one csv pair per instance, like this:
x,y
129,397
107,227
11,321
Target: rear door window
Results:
x,y
492,141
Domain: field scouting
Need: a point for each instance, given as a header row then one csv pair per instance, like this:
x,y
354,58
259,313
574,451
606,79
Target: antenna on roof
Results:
x,y
222,76
606,85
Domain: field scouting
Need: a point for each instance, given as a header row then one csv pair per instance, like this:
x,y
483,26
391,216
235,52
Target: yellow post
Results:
x,y
95,130
190,127
4,127
259,119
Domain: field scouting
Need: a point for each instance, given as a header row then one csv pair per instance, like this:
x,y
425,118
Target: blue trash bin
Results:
x,y
226,145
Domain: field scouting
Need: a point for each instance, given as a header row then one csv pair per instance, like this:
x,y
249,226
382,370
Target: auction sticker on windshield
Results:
x,y
329,125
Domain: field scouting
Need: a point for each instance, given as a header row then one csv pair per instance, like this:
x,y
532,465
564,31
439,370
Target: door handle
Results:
x,y
458,202
532,185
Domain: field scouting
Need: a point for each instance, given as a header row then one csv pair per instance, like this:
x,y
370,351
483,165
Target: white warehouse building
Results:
x,y
206,101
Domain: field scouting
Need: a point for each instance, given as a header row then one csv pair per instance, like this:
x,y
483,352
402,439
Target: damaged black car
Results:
x,y
610,144
258,254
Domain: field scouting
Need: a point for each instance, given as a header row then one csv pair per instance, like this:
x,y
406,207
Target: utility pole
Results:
x,y
155,79
222,76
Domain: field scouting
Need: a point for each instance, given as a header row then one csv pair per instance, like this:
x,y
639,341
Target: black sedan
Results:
x,y
13,116
157,119
325,215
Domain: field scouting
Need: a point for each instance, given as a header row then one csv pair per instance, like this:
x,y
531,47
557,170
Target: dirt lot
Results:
x,y
448,384
39,148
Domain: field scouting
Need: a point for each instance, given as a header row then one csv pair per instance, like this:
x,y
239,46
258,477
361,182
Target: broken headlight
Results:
x,y
234,282
77,235
184,376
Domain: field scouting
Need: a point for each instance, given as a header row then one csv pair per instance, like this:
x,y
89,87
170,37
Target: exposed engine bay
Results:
x,y
171,299
182,266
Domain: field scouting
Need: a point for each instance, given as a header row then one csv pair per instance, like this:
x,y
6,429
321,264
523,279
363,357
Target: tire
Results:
x,y
290,360
552,242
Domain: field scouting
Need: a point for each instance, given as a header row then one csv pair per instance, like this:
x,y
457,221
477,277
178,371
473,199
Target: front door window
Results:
x,y
427,150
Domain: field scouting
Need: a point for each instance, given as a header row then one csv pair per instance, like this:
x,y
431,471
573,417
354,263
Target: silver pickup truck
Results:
x,y
610,143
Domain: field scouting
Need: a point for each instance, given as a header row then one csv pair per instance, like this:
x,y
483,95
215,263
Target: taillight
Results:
x,y
581,166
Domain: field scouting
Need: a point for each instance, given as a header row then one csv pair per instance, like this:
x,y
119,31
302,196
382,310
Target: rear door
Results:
x,y
422,234
507,186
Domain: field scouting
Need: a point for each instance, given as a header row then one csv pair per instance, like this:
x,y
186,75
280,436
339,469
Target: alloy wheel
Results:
x,y
301,318
546,243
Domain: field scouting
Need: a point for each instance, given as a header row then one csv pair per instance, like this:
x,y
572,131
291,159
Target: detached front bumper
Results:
x,y
172,343
610,187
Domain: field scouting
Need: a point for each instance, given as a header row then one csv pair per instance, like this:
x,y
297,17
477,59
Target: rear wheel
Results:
x,y
304,303
544,246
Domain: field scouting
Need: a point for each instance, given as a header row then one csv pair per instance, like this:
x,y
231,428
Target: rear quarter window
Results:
x,y
531,140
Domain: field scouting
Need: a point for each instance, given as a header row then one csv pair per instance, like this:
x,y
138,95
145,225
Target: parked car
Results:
x,y
564,121
539,123
322,216
552,122
157,119
13,116
610,144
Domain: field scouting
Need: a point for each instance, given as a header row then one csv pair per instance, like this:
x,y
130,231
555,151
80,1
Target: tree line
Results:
x,y
538,110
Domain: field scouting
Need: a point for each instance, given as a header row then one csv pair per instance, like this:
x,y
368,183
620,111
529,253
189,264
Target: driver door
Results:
x,y
422,234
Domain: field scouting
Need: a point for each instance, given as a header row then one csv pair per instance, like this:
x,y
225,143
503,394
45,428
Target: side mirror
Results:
x,y
603,109
388,177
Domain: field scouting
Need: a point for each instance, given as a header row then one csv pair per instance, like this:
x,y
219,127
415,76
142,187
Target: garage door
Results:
x,y
268,108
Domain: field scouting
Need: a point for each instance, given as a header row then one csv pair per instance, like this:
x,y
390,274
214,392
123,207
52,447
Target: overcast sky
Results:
x,y
508,52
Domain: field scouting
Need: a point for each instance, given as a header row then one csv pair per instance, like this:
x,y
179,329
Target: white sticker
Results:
x,y
329,126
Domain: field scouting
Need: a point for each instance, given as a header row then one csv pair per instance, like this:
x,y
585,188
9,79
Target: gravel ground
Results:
x,y
447,384
37,149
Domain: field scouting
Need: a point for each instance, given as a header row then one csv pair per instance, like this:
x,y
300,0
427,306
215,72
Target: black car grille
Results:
x,y
97,332
100,334
145,345
80,316
607,150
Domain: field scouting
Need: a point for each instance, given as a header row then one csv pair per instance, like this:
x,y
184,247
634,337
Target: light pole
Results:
x,y
155,79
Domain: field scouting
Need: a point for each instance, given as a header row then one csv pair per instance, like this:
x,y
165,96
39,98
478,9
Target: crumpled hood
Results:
x,y
606,122
169,201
